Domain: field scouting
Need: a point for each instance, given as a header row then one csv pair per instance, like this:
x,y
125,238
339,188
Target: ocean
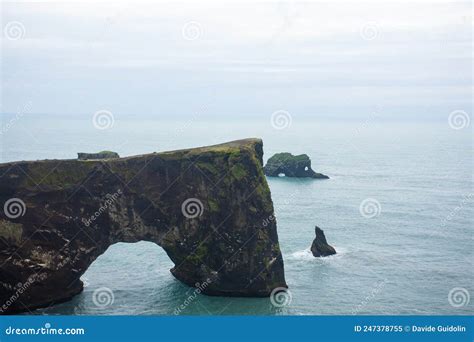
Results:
x,y
398,208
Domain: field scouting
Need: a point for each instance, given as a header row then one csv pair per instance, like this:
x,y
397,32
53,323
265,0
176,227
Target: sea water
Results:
x,y
398,208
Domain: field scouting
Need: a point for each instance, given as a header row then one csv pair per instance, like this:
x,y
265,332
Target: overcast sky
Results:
x,y
339,59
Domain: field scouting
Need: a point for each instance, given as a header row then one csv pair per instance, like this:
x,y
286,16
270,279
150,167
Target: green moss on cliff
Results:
x,y
285,157
11,231
61,174
205,166
199,255
238,172
213,205
228,179
263,192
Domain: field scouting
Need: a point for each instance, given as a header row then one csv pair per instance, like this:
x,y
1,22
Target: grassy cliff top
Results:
x,y
286,156
255,144
61,173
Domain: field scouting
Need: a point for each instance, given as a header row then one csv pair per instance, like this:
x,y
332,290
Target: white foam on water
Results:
x,y
306,254
302,255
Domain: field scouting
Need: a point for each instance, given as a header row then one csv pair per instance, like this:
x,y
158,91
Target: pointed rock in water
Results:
x,y
291,166
320,246
206,207
98,155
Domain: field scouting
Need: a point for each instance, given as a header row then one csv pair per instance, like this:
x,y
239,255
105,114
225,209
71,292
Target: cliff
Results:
x,y
207,207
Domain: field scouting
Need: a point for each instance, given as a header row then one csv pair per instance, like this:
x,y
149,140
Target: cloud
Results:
x,y
410,53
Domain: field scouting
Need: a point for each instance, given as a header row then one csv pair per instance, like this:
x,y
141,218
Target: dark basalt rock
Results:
x,y
99,155
205,206
291,166
320,246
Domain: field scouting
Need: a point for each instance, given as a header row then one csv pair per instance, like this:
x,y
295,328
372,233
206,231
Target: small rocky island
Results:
x,y
291,166
204,206
320,246
98,155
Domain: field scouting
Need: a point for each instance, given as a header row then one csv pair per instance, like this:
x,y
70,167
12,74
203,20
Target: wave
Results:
x,y
306,255
302,255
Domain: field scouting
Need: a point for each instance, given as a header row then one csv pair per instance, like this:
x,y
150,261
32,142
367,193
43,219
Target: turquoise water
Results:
x,y
404,260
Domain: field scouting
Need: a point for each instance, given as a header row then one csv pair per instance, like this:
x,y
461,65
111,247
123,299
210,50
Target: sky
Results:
x,y
325,59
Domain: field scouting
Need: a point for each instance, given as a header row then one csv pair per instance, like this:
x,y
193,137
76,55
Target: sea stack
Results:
x,y
291,166
320,247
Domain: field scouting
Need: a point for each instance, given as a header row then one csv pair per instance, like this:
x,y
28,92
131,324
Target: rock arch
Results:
x,y
208,207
